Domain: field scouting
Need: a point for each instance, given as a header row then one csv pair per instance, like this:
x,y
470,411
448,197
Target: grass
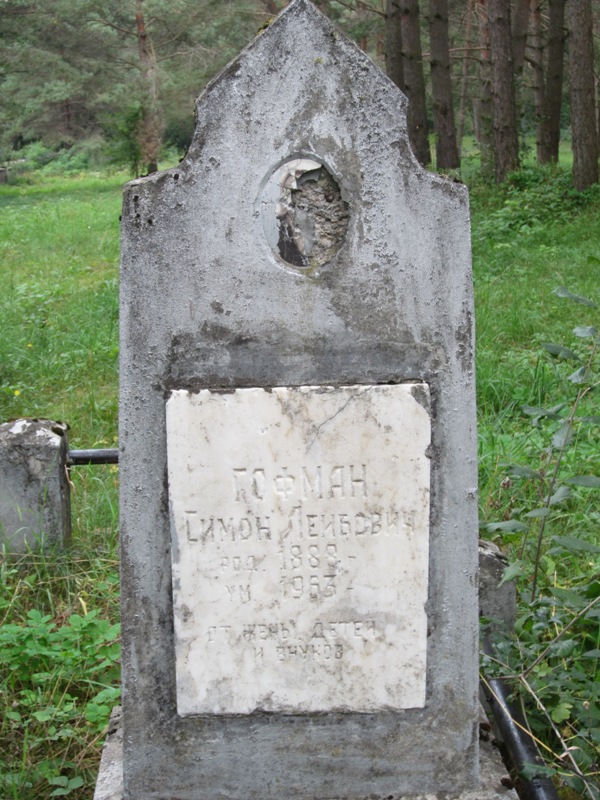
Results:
x,y
58,359
59,649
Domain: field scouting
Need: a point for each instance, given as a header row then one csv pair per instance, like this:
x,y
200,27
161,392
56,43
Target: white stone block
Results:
x,y
300,548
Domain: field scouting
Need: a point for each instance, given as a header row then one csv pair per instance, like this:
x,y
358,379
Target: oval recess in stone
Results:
x,y
305,218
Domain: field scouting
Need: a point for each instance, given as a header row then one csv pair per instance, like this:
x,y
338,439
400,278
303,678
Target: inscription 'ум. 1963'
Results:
x,y
300,533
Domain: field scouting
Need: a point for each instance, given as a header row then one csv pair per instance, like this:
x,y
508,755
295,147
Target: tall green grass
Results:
x,y
59,646
58,359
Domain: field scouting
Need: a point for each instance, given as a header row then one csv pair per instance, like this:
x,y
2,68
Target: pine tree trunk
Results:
x,y
394,66
506,142
549,127
483,126
270,7
583,100
414,80
519,36
520,30
152,126
464,77
446,149
536,59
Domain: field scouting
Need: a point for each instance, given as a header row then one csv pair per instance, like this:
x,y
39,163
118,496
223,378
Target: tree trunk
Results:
x,y
549,125
152,126
520,29
270,7
536,60
446,151
519,35
583,101
414,81
483,127
506,142
464,77
394,65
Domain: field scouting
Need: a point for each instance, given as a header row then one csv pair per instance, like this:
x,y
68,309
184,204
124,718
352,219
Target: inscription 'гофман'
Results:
x,y
300,540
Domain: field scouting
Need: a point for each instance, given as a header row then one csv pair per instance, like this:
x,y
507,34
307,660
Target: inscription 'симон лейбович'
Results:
x,y
300,547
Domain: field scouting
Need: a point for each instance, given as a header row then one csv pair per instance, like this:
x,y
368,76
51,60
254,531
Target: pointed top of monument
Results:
x,y
302,72
296,23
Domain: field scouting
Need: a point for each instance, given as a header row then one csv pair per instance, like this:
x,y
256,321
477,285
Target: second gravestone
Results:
x,y
298,463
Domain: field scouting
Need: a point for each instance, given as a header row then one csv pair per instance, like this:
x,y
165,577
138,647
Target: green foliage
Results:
x,y
71,70
548,518
530,201
123,131
59,669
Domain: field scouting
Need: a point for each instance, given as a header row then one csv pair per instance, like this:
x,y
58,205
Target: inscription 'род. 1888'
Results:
x,y
300,532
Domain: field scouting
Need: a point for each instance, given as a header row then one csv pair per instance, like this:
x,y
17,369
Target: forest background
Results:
x,y
91,80
498,91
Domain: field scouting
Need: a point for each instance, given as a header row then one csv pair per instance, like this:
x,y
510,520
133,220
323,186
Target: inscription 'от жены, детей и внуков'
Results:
x,y
300,542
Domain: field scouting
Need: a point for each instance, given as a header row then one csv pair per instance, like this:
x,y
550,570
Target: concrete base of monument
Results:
x,y
494,780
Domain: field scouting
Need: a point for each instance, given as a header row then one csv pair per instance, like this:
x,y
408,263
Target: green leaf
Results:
x,y
560,495
560,351
562,291
563,647
563,436
538,512
561,712
511,572
591,654
579,376
524,472
43,716
573,544
584,331
510,525
568,597
549,413
67,785
590,481
530,771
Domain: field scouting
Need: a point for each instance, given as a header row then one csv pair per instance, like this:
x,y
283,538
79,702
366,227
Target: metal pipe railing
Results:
x,y
513,730
97,456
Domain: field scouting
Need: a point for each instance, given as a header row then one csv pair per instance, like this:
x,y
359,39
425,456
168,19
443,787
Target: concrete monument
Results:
x,y
35,504
298,456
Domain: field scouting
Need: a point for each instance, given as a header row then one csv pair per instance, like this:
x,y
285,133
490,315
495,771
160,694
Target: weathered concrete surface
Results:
x,y
109,785
497,600
208,303
494,783
35,511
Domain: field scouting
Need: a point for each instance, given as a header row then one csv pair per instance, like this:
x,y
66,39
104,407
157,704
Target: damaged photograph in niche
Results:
x,y
305,218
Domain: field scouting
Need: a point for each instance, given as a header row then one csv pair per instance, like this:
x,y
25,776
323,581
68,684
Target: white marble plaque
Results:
x,y
300,538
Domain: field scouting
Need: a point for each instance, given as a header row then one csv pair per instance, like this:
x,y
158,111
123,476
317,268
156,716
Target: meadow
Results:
x,y
536,253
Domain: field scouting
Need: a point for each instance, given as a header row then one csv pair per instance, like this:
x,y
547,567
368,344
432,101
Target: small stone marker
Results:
x,y
35,508
298,454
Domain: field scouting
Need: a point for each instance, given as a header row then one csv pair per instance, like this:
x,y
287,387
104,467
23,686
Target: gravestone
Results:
x,y
35,503
297,433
